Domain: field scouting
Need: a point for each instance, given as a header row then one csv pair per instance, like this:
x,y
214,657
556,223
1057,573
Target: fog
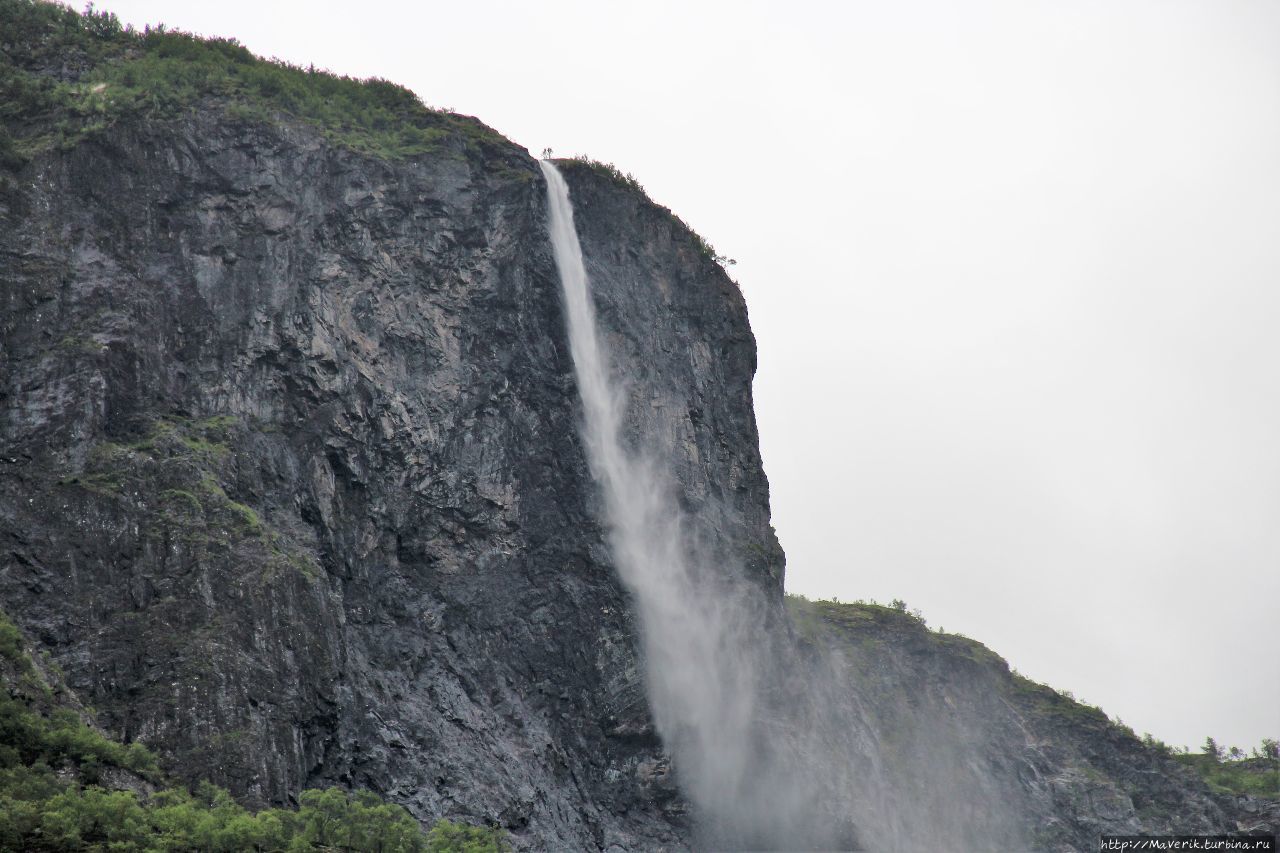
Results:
x,y
1014,273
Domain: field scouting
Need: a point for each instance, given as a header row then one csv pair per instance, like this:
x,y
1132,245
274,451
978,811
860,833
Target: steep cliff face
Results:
x,y
292,485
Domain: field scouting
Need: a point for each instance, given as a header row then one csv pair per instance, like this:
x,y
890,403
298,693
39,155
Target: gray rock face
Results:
x,y
292,486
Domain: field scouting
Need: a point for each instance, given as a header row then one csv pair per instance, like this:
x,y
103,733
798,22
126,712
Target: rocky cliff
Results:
x,y
291,486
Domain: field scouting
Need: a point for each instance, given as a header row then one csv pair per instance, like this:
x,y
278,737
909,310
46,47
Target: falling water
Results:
x,y
701,678
766,741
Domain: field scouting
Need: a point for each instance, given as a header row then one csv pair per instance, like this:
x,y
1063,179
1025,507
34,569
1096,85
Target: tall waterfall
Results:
x,y
765,738
702,678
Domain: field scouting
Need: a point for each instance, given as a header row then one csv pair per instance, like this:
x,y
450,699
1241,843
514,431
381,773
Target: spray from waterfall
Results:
x,y
766,741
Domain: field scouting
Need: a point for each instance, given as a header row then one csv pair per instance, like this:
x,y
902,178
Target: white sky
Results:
x,y
1013,268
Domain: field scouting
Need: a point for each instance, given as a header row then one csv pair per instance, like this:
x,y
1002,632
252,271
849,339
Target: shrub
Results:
x,y
449,837
10,641
1231,772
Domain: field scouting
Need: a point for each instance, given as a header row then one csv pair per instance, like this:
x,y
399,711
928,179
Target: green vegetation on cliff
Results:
x,y
66,786
865,624
1258,776
176,472
1233,771
66,75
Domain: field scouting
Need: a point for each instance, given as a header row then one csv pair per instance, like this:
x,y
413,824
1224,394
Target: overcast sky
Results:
x,y
1013,268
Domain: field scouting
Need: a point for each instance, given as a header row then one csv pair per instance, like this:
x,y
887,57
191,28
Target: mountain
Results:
x,y
291,484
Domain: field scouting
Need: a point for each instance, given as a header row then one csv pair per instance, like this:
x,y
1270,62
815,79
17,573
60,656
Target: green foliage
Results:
x,y
33,737
11,156
161,73
608,170
853,616
708,251
175,71
53,796
332,818
1061,707
449,837
10,641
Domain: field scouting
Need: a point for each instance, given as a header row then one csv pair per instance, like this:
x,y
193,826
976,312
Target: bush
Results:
x,y
449,837
10,155
1230,772
10,641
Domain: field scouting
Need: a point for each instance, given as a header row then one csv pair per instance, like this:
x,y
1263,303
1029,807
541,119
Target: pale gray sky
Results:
x,y
1014,270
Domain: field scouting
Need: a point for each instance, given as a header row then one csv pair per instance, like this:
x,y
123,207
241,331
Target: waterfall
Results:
x,y
766,740
700,675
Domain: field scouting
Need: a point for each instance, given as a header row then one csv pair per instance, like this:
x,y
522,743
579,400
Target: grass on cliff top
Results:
x,y
867,620
60,790
65,75
854,613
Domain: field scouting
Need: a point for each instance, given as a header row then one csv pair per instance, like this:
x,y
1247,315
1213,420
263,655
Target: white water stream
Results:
x,y
701,683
